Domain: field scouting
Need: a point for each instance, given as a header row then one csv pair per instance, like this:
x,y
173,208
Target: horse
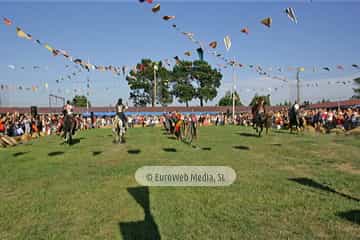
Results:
x,y
68,128
295,120
118,130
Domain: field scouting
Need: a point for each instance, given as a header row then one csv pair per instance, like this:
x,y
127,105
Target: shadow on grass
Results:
x,y
95,153
75,141
276,144
17,154
248,135
169,149
145,229
206,148
311,183
134,151
173,138
52,154
241,147
352,216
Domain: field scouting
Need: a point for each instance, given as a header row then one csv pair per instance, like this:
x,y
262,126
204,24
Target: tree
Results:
x,y
80,101
357,90
141,83
195,80
256,97
228,101
208,80
182,82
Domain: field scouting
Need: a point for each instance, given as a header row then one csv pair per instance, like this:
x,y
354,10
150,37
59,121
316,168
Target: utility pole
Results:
x,y
298,86
233,93
154,85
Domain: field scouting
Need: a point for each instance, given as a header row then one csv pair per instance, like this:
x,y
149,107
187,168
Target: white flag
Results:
x,y
227,42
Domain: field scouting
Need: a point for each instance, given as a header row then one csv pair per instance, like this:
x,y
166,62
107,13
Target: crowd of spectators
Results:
x,y
15,124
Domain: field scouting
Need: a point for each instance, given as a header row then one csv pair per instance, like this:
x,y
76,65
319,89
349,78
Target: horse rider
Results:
x,y
120,111
259,110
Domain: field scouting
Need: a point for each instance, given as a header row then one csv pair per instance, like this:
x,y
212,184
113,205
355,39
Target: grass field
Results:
x,y
287,187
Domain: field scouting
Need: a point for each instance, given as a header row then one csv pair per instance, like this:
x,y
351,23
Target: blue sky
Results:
x,y
122,32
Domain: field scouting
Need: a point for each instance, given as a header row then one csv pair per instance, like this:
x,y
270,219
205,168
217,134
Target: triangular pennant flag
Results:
x,y
326,68
166,18
149,1
49,48
20,33
38,42
156,8
245,30
291,14
187,53
213,44
7,21
355,66
267,21
200,53
227,42
340,67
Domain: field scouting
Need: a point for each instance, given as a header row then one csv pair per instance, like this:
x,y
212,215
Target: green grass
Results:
x,y
88,190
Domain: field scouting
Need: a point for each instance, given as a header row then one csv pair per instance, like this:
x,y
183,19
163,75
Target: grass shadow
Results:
x,y
206,148
52,154
172,138
352,216
311,183
134,151
145,229
241,147
169,149
17,154
95,153
276,144
75,141
248,135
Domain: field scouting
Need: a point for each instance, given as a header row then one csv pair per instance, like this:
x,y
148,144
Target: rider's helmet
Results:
x,y
119,101
68,102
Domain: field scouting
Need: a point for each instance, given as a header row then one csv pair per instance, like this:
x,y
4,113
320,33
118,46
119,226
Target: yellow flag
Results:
x,y
301,69
49,48
20,33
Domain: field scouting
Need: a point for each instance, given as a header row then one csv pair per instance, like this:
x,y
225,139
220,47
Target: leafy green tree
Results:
x,y
80,101
181,80
141,83
207,80
357,90
228,101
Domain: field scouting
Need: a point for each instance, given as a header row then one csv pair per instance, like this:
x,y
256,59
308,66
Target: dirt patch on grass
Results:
x,y
347,167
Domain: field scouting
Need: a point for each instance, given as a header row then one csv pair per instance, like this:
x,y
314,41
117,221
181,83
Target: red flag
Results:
x,y
149,1
7,21
245,30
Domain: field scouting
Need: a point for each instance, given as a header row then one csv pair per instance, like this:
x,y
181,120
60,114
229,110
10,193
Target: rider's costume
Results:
x,y
120,112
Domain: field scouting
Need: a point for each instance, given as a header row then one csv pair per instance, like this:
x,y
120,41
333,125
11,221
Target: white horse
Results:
x,y
118,130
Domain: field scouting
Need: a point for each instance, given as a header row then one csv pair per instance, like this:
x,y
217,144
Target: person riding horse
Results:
x,y
258,111
294,116
68,125
120,127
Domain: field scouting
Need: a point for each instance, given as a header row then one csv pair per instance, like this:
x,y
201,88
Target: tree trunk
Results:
x,y
187,104
201,102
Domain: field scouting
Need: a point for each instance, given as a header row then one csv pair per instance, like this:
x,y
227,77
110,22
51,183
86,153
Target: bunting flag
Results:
x,y
245,30
187,53
200,52
355,66
20,33
326,68
149,1
141,1
167,18
11,67
267,22
177,59
340,67
291,14
7,21
213,44
227,42
301,69
188,34
49,48
156,8
38,42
